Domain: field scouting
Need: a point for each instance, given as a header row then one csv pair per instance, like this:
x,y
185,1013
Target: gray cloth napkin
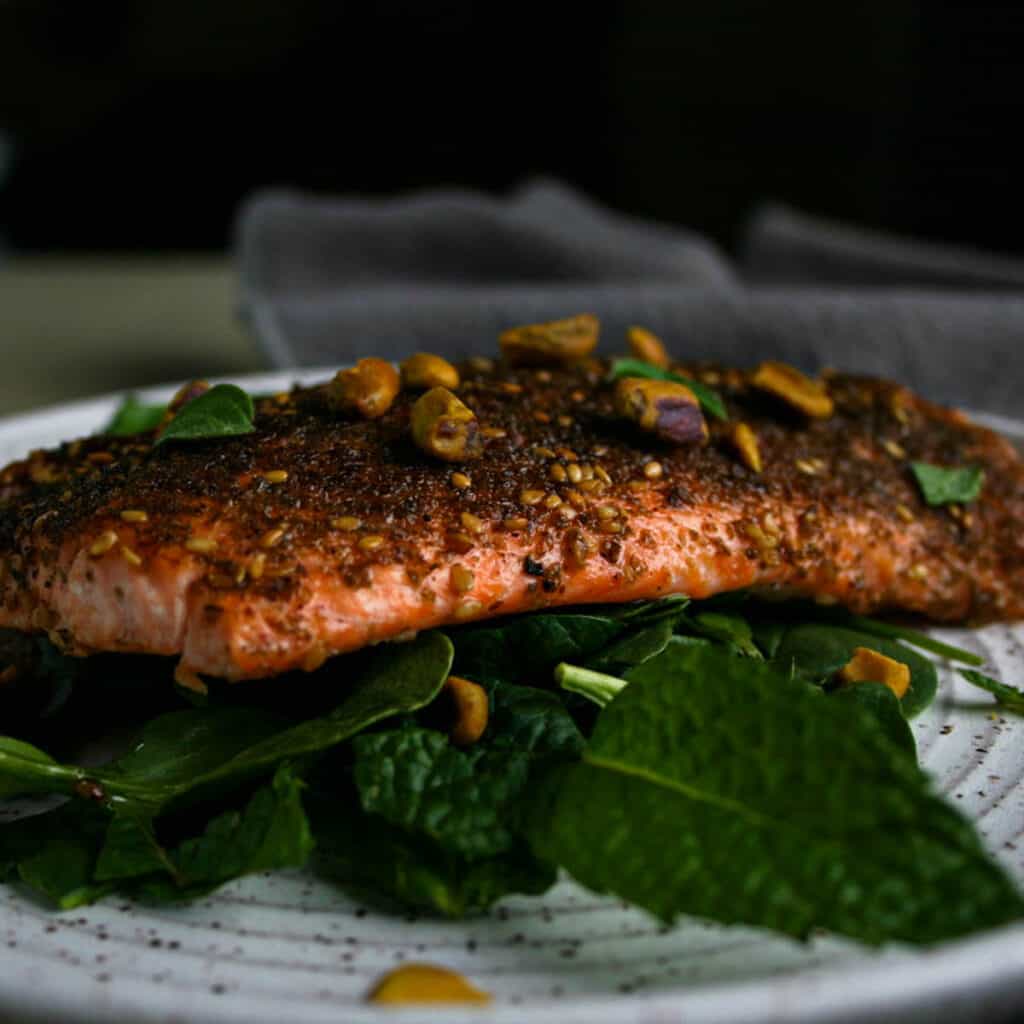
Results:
x,y
325,281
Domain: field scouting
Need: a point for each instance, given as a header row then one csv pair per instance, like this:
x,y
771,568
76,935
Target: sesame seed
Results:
x,y
461,579
607,512
577,395
460,542
516,523
103,543
276,476
574,472
201,545
557,472
574,497
461,481
543,452
346,523
493,432
587,471
472,523
467,609
590,486
566,513
653,470
552,501
481,364
544,376
282,398
130,556
257,564
528,496
220,580
134,515
371,542
610,526
240,575
542,417
568,454
100,458
565,421
807,466
599,450
511,389
272,537
638,485
918,572
904,513
895,449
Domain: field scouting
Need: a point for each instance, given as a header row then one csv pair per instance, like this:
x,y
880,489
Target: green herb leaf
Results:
x,y
818,651
732,631
708,398
461,800
1008,696
945,486
386,865
134,417
884,705
914,638
223,411
531,721
781,808
190,755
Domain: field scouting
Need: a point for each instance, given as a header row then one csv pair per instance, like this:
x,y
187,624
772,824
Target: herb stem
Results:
x,y
916,639
595,686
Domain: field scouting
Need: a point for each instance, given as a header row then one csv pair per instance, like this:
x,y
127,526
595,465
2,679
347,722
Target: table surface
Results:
x,y
77,326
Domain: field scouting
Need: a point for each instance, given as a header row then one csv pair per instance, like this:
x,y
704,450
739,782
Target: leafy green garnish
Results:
x,y
598,687
781,808
817,651
134,417
945,486
1008,696
710,399
223,411
915,638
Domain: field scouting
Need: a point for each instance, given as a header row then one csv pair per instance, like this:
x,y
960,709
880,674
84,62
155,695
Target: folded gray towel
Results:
x,y
326,281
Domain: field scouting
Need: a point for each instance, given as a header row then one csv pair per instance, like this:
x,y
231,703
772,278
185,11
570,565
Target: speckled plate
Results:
x,y
289,947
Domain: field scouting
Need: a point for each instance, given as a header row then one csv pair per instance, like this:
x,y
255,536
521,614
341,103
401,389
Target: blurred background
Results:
x,y
130,130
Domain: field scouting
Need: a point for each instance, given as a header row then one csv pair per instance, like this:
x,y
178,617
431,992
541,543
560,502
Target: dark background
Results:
x,y
140,124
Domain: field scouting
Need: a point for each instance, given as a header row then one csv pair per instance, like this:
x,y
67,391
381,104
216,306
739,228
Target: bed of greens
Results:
x,y
690,757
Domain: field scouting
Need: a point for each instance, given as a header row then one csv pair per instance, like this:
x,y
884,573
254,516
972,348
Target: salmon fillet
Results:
x,y
320,533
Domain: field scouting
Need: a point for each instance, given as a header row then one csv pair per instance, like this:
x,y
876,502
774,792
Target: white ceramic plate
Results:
x,y
288,947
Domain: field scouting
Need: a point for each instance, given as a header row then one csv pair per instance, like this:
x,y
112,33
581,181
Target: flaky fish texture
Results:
x,y
323,532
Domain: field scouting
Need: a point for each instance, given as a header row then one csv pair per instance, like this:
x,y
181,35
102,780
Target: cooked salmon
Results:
x,y
322,532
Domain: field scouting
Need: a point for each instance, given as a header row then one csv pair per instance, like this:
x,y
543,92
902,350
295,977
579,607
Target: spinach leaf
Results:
x,y
884,705
1008,696
134,417
710,399
818,651
732,631
913,638
223,411
532,721
198,753
649,637
944,486
782,809
55,853
524,649
374,860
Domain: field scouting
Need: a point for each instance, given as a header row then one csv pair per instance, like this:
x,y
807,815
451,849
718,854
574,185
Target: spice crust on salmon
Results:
x,y
329,528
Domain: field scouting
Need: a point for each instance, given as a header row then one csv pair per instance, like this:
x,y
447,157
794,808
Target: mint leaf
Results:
x,y
223,411
708,398
942,486
134,417
1008,696
461,800
386,865
717,787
